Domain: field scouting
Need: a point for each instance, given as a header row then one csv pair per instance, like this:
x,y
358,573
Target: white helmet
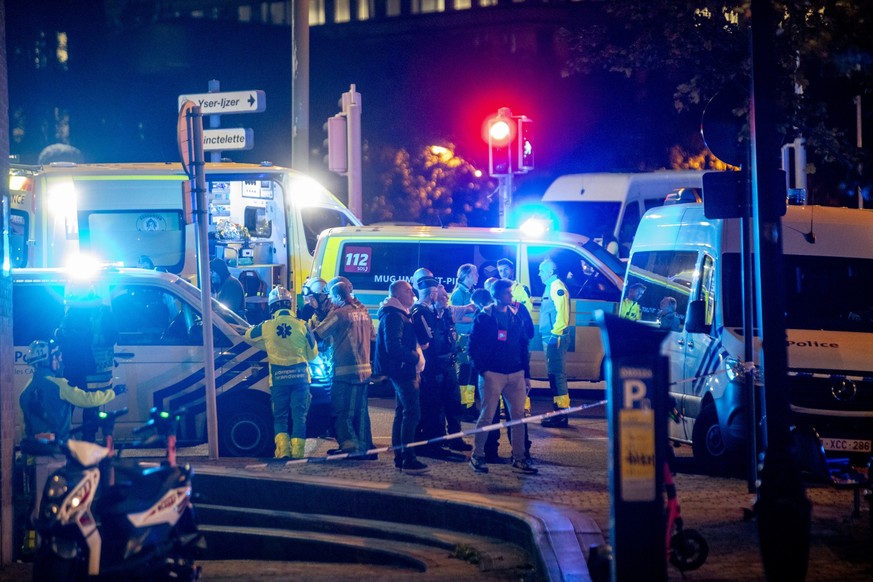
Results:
x,y
315,286
279,297
39,352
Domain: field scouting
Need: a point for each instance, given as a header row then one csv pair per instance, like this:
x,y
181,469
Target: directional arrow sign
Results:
x,y
228,139
228,102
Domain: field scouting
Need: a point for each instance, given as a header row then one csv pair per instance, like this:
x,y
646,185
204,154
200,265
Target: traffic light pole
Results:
x,y
783,510
505,203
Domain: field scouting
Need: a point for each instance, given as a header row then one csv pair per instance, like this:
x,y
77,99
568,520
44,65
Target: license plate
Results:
x,y
846,445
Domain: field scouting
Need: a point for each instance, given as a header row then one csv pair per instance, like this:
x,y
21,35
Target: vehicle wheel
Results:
x,y
50,566
707,441
245,428
688,550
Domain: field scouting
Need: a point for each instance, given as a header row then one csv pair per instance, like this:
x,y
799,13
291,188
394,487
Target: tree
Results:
x,y
433,186
825,51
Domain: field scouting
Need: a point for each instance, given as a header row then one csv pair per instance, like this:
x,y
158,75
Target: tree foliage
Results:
x,y
702,46
432,186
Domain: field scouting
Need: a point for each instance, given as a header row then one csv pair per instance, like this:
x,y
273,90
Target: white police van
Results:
x,y
828,259
159,354
612,203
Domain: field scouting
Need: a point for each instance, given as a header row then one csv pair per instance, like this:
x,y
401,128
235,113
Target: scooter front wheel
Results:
x,y
50,566
688,550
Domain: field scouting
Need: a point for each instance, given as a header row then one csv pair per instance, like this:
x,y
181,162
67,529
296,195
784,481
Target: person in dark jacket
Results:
x,y
87,337
440,393
399,357
499,349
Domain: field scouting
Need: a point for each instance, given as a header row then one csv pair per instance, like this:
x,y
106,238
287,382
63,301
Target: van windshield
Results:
x,y
827,293
593,219
231,318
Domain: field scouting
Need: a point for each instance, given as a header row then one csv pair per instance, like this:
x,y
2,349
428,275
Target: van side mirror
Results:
x,y
695,320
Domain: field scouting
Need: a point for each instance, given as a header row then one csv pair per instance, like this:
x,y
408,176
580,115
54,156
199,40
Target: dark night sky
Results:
x,y
120,90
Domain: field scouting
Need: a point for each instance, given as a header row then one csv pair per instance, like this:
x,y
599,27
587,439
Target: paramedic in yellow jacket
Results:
x,y
289,346
554,322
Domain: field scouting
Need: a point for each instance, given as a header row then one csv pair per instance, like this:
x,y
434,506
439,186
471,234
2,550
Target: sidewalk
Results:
x,y
573,473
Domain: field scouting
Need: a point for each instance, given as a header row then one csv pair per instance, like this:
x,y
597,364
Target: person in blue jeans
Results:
x,y
399,357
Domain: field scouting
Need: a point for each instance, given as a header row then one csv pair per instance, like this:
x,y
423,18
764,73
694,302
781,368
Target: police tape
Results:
x,y
496,426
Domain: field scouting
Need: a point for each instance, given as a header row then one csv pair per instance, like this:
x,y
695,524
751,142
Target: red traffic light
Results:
x,y
500,129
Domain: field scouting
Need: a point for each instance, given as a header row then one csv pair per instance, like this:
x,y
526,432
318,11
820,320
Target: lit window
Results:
x,y
342,11
61,52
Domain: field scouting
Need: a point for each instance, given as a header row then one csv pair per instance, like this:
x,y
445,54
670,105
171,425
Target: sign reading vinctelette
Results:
x,y
228,102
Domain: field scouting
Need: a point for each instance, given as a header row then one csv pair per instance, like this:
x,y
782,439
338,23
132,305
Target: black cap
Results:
x,y
426,282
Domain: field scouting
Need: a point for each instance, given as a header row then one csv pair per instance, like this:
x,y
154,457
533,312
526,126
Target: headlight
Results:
x,y
50,510
57,487
735,370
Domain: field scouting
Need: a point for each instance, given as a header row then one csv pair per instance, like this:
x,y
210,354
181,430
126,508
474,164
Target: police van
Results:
x,y
611,204
159,354
373,257
828,258
262,219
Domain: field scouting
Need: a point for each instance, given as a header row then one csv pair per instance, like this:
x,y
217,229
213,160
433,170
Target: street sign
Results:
x,y
236,138
227,102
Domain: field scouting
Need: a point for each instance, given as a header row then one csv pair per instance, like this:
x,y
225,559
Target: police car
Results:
x,y
159,357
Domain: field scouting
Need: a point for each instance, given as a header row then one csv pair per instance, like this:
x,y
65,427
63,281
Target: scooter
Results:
x,y
686,548
107,518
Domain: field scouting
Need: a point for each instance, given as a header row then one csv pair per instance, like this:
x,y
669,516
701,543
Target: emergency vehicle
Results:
x,y
608,204
159,354
262,219
372,257
828,258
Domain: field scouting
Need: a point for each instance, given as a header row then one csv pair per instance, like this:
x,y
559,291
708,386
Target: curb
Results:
x,y
557,538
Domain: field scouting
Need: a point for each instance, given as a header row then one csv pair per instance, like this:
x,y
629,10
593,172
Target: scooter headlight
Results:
x,y
50,510
57,487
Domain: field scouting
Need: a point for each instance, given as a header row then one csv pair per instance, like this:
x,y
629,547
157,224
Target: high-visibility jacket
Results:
x,y
289,345
630,309
555,308
47,403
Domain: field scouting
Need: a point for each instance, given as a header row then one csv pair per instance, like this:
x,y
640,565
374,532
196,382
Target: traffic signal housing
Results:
x,y
501,130
525,144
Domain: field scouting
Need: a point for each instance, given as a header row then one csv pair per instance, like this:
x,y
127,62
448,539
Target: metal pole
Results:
x,y
783,511
860,144
214,86
352,109
201,217
300,86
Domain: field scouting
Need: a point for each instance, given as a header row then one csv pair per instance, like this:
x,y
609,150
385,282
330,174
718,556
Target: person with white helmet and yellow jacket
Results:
x,y
290,346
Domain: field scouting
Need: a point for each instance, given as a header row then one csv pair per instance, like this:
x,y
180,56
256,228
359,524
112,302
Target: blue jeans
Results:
x,y
407,412
290,400
350,407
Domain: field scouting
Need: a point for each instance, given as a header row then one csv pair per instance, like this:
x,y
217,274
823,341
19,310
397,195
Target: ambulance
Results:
x,y
372,257
159,355
262,219
828,260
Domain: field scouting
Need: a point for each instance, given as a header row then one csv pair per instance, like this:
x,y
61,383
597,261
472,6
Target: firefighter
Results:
x,y
290,346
